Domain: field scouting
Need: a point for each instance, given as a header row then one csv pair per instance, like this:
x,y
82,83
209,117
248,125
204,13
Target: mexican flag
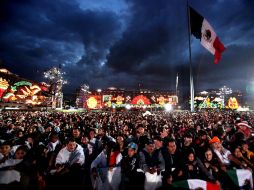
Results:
x,y
202,30
196,184
240,177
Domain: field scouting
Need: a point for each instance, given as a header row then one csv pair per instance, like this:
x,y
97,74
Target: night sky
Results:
x,y
123,43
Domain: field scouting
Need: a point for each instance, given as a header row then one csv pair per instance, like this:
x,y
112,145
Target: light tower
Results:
x,y
56,81
82,95
224,91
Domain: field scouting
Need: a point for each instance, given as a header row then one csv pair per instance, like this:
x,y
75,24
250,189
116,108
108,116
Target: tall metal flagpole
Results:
x,y
176,83
191,76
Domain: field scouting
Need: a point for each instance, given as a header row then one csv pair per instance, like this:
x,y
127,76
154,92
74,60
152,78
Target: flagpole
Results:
x,y
176,83
190,62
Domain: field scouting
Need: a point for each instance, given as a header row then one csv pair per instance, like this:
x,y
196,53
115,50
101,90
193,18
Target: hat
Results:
x,y
214,140
132,145
244,124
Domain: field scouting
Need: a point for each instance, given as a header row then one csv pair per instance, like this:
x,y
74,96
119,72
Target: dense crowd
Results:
x,y
125,150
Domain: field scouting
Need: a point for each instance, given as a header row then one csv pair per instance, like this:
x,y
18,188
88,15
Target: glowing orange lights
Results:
x,y
92,102
3,86
140,100
161,100
232,103
119,100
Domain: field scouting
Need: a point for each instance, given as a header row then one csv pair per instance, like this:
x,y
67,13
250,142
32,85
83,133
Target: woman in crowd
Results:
x,y
245,163
106,170
211,163
194,169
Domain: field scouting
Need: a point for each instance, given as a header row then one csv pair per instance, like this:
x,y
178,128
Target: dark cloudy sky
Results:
x,y
126,42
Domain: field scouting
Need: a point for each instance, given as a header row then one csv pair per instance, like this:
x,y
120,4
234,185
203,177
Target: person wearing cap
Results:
x,y
132,178
245,128
225,157
152,163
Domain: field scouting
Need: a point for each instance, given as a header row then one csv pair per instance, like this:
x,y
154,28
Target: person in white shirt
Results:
x,y
69,162
71,154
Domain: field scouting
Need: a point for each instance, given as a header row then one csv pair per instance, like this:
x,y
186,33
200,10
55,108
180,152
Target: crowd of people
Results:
x,y
125,150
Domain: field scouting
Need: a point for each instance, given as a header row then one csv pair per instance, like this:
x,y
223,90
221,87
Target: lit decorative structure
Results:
x,y
161,100
24,91
56,80
92,102
141,100
119,100
3,86
233,103
224,91
82,95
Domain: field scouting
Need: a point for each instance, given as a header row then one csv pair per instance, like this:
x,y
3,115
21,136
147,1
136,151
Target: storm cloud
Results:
x,y
124,43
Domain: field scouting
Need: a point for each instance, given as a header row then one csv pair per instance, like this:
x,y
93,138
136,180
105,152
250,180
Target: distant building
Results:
x,y
120,98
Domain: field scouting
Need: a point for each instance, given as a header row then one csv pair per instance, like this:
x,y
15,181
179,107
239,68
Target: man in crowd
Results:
x,y
68,166
152,163
173,162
